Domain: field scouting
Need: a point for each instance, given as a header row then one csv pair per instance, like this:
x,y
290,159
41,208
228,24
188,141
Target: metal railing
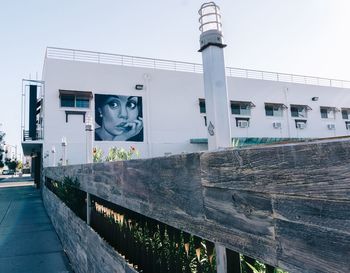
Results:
x,y
26,137
116,59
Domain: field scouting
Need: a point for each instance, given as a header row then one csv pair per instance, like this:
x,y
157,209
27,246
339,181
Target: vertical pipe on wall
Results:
x,y
89,131
64,151
147,118
53,152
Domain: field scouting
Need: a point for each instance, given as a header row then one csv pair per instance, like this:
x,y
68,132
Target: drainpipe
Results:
x,y
89,132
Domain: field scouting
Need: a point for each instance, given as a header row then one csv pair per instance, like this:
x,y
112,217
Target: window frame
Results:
x,y
242,106
347,123
328,110
202,107
67,100
347,111
75,97
299,108
275,107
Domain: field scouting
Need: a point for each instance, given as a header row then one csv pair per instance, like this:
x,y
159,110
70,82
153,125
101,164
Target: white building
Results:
x,y
265,106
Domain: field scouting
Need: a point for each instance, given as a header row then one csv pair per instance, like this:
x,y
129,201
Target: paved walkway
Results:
x,y
28,241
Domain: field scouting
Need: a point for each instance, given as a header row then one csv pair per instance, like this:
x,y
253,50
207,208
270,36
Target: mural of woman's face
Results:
x,y
120,115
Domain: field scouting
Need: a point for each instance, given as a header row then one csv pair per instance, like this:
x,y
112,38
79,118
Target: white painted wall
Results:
x,y
259,92
171,110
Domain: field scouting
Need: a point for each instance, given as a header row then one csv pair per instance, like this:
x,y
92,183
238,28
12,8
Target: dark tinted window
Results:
x,y
294,111
202,106
269,110
324,113
67,100
82,102
235,109
345,114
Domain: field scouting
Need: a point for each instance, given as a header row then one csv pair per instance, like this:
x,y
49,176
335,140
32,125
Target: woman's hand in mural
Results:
x,y
131,129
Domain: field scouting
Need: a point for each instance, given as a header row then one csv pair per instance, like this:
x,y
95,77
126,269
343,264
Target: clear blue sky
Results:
x,y
308,37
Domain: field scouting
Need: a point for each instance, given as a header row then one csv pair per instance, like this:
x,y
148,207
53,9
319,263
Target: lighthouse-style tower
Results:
x,y
215,87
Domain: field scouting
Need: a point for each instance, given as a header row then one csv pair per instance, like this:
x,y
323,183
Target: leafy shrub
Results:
x,y
115,154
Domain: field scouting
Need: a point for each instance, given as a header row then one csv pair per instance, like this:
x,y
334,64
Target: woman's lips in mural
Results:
x,y
123,126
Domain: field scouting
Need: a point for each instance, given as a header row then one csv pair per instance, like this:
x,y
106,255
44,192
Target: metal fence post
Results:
x,y
221,262
88,208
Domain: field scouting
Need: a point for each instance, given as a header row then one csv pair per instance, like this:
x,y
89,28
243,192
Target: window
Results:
x,y
324,113
328,112
78,99
67,101
299,111
274,109
347,125
241,107
345,113
82,102
202,109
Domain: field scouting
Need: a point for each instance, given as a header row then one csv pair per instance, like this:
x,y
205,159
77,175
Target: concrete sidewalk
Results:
x,y
28,241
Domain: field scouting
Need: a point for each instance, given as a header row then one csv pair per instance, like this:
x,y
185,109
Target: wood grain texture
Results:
x,y
286,205
312,248
310,170
248,212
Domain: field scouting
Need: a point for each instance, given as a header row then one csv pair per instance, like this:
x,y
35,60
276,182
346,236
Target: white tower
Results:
x,y
216,97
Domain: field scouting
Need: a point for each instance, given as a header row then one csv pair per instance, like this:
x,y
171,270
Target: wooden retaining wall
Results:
x,y
86,250
286,205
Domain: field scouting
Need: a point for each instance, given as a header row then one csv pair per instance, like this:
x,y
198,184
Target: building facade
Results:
x,y
158,106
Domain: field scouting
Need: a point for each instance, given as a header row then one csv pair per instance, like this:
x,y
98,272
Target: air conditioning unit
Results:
x,y
301,125
277,125
331,126
243,123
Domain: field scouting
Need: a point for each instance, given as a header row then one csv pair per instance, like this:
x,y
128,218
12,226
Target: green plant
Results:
x,y
115,154
70,194
97,155
20,165
256,267
11,164
118,154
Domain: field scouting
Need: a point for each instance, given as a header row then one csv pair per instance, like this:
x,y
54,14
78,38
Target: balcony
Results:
x,y
32,128
38,135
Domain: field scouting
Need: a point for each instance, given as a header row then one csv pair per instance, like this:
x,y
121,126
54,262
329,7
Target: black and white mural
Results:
x,y
118,118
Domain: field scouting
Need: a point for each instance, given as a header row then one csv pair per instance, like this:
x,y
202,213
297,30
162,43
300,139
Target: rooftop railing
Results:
x,y
116,59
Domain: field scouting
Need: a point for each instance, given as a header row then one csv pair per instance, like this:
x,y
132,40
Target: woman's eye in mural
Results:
x,y
131,104
114,104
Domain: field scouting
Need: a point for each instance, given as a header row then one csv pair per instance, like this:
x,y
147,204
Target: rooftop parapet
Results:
x,y
125,60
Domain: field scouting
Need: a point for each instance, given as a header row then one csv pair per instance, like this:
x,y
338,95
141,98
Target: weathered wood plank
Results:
x,y
306,248
319,212
314,169
248,212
